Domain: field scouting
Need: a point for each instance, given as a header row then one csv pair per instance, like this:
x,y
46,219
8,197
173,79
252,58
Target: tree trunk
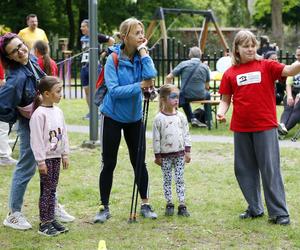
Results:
x,y
83,8
277,26
297,29
71,23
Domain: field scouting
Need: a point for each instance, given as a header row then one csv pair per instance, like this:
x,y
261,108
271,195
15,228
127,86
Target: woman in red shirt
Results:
x,y
249,82
48,65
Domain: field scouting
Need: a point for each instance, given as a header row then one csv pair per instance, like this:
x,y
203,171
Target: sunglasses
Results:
x,y
173,96
16,50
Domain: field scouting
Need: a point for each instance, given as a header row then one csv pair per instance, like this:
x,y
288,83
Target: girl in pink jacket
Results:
x,y
49,143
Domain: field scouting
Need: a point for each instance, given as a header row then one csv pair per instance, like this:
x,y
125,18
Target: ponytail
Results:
x,y
37,100
47,64
43,49
45,84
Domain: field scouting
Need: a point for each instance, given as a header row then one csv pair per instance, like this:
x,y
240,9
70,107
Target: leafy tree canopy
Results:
x,y
262,16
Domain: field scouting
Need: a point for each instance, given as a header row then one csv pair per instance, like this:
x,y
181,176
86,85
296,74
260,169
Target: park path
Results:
x,y
195,138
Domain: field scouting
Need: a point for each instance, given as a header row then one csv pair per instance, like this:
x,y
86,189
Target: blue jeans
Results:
x,y
25,168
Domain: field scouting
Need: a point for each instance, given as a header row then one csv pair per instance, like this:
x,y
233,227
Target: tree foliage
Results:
x,y
290,12
239,14
63,17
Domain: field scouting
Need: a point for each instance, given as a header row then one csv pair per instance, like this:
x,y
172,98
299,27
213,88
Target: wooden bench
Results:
x,y
214,102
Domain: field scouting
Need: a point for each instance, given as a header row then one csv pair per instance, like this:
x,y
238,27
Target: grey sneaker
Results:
x,y
62,215
196,123
148,212
16,220
103,215
4,161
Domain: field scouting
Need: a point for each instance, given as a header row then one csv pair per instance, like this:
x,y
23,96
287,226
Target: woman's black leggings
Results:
x,y
110,145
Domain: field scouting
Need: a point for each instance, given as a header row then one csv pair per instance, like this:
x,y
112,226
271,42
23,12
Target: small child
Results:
x,y
45,119
47,64
172,145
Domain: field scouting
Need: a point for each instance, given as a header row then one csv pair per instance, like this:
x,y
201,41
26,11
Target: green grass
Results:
x,y
212,195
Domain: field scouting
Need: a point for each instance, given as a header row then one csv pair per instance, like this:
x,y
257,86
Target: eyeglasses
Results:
x,y
173,96
16,50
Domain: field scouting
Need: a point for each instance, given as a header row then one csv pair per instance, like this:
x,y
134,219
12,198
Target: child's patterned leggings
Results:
x,y
166,166
48,184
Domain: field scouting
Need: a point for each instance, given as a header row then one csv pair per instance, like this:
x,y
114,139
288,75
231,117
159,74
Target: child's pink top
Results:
x,y
48,134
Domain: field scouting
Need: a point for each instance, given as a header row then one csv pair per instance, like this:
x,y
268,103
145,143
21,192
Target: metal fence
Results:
x,y
70,68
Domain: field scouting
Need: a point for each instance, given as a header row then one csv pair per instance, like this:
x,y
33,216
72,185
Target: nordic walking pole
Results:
x,y
139,161
142,158
15,143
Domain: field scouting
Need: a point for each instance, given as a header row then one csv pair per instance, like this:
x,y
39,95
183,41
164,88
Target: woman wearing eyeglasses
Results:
x,y
16,97
122,111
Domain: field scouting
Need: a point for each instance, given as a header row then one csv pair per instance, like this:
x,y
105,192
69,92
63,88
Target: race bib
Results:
x,y
85,58
248,78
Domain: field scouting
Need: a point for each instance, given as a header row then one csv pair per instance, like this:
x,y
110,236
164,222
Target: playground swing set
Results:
x,y
159,20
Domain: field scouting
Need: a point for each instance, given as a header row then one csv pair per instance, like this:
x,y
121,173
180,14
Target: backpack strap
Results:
x,y
100,79
116,59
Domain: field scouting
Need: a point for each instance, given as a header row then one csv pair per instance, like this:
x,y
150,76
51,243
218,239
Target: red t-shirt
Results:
x,y
53,65
252,88
1,72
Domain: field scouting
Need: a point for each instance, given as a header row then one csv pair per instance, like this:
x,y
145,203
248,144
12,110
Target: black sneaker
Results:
x,y
59,227
248,214
47,229
169,209
182,211
103,215
148,212
281,220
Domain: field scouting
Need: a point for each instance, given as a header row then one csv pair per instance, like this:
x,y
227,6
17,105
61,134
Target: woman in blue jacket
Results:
x,y
122,111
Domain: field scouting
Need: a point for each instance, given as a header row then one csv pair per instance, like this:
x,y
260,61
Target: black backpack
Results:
x,y
199,114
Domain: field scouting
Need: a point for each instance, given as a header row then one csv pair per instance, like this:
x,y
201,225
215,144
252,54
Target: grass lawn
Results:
x,y
212,194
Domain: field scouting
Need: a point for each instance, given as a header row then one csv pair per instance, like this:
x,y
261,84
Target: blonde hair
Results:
x,y
164,92
243,36
127,25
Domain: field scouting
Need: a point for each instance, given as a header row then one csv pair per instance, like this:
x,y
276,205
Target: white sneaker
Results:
x,y
196,123
62,215
282,129
16,220
4,161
